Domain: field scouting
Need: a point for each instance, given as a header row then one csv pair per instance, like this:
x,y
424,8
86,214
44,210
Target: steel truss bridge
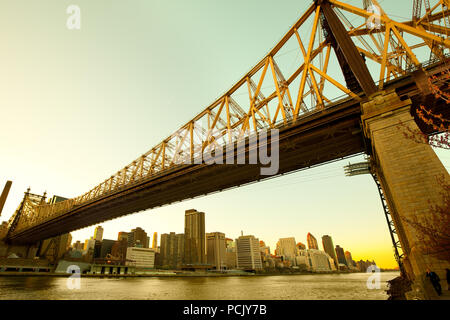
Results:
x,y
349,54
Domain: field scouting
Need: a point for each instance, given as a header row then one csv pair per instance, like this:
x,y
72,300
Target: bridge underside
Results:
x,y
319,137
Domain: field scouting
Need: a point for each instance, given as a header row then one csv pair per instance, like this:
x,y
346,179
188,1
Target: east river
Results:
x,y
280,287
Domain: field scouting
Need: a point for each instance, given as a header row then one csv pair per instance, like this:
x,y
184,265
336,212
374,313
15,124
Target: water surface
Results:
x,y
281,287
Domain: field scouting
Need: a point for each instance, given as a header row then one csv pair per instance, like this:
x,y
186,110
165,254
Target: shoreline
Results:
x,y
164,275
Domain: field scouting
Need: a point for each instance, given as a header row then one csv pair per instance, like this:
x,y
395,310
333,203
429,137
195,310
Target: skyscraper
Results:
x,y
287,248
122,236
98,233
247,251
138,237
341,255
312,242
194,237
216,250
349,259
301,246
328,247
155,240
172,250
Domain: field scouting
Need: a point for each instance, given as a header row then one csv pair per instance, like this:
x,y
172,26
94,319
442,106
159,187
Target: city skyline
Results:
x,y
261,241
77,100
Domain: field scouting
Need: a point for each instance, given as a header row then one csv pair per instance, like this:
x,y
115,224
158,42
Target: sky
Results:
x,y
78,105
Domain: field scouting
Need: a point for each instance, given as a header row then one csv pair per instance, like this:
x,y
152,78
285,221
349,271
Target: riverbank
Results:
x,y
163,274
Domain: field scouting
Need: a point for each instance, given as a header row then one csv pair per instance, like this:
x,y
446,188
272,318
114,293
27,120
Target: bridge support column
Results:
x,y
408,173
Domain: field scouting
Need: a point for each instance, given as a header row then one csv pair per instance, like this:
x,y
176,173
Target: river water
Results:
x,y
280,287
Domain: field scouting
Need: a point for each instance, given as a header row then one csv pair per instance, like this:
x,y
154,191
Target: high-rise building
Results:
x,y
349,259
172,250
265,250
138,237
194,237
301,246
89,244
287,248
230,253
341,255
315,260
119,249
106,247
216,250
248,255
78,246
155,240
122,236
328,247
98,233
230,244
312,242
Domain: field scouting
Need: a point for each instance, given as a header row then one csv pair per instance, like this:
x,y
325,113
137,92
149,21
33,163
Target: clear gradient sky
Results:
x,y
76,106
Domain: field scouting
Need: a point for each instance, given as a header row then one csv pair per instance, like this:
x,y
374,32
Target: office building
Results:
x,y
328,247
172,250
138,238
312,242
315,260
265,250
119,249
231,258
247,251
122,236
155,240
78,246
287,249
216,250
301,246
341,256
106,247
349,259
141,257
194,238
98,233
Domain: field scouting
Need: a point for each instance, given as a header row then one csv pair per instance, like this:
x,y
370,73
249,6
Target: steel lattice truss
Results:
x,y
277,92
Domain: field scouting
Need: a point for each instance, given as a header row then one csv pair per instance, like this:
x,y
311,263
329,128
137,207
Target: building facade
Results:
x,y
216,250
194,238
141,257
172,250
247,253
312,242
315,260
328,247
98,233
287,249
155,240
341,256
138,237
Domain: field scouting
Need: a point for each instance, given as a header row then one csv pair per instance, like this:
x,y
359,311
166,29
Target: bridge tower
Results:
x,y
394,157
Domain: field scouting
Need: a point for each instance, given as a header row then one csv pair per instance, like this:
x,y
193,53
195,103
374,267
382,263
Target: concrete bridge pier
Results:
x,y
408,172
